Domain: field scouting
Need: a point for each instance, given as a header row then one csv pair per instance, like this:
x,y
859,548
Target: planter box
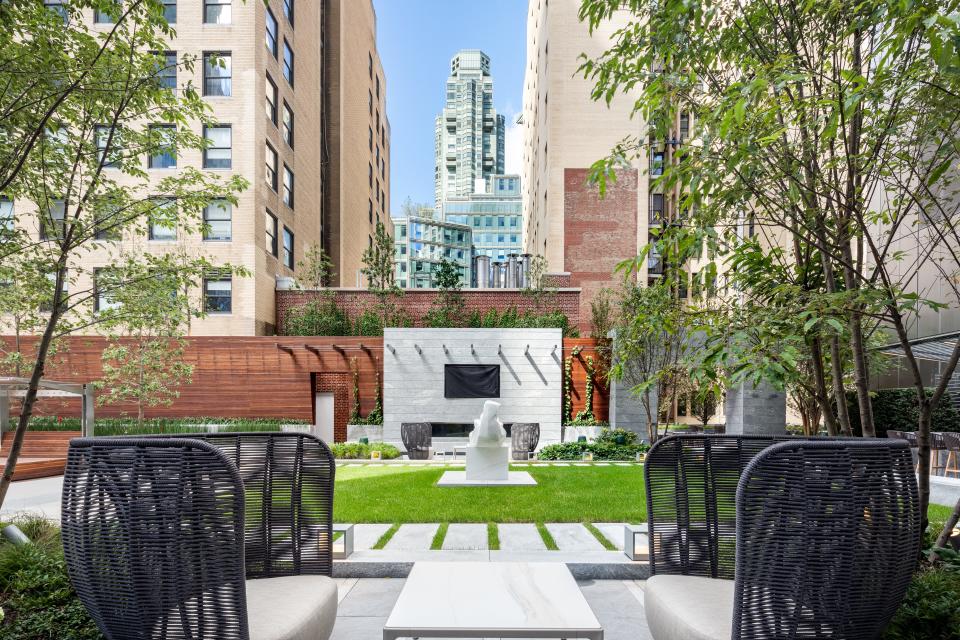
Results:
x,y
372,432
571,433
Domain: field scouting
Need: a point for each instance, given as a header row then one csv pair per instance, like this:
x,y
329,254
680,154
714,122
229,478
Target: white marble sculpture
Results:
x,y
488,454
488,431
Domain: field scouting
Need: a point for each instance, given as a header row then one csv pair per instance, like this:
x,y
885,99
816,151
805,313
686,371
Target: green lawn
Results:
x,y
399,493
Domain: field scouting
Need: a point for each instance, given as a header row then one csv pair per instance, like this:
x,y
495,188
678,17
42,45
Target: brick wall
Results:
x,y
598,233
417,302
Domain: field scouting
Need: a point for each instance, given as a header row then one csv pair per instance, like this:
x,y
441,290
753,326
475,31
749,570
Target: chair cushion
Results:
x,y
291,608
688,608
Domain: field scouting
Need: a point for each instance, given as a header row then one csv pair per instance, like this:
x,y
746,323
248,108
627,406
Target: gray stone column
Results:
x,y
760,410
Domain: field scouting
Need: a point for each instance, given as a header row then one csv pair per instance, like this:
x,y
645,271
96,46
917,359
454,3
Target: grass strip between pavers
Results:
x,y
493,537
602,539
548,540
387,536
439,536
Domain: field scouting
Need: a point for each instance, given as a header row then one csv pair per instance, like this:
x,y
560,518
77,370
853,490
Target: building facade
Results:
x,y
469,135
422,242
356,153
565,131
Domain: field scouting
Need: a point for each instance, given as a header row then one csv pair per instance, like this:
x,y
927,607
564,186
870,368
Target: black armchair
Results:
x,y
213,536
754,537
417,438
524,437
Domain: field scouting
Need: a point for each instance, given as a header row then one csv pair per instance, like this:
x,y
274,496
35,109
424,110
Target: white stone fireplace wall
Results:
x,y
531,376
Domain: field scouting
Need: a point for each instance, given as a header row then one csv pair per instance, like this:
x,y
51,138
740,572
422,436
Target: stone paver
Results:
x,y
573,536
466,536
612,531
520,537
366,535
412,537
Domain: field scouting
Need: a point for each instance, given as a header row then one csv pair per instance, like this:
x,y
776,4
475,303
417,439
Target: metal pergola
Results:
x,y
17,388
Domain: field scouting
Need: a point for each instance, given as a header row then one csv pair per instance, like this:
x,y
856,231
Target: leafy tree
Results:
x,y
650,345
143,360
830,127
76,171
379,269
320,315
447,309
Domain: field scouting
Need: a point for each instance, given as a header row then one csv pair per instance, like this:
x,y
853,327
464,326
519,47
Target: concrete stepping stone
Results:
x,y
520,537
573,536
412,537
561,464
601,464
612,531
466,537
366,535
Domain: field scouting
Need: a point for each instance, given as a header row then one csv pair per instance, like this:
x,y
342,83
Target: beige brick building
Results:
x,y
356,155
268,100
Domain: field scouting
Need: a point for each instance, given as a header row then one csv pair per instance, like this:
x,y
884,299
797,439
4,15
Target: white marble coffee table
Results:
x,y
491,599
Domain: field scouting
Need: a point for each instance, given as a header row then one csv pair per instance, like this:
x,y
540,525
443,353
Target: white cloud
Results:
x,y
513,145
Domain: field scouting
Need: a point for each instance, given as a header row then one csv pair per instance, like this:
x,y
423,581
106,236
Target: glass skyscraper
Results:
x,y
494,217
469,137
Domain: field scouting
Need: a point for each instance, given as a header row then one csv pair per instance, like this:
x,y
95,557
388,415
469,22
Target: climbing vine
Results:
x,y
376,414
586,414
567,389
355,411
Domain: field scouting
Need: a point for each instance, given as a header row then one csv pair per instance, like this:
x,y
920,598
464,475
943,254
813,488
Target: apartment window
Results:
x,y
684,126
288,11
162,226
271,233
271,99
164,156
218,153
370,211
101,134
287,186
271,174
217,220
6,215
106,223
167,69
218,294
54,225
378,87
217,74
370,65
170,11
656,163
287,248
287,62
217,11
370,140
370,101
656,208
271,34
102,300
57,7
102,17
370,175
287,129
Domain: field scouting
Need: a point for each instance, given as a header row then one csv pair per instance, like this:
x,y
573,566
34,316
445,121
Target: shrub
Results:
x,y
616,436
361,451
897,409
35,592
600,450
127,426
931,608
321,317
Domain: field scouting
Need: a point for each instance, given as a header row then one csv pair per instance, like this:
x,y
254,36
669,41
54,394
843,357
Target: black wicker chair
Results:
x,y
524,437
757,538
216,536
417,438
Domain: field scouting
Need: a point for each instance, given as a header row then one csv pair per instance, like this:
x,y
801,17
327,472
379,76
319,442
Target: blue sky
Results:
x,y
416,39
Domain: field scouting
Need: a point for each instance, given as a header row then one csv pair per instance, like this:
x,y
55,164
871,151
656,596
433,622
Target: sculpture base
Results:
x,y
488,463
459,479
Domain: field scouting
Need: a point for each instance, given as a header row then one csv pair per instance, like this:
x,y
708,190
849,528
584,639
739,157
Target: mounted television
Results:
x,y
471,381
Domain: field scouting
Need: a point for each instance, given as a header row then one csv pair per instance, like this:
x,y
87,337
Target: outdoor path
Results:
x,y
366,603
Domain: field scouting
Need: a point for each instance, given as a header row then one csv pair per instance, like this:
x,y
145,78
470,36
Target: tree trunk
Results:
x,y
923,463
651,423
944,536
823,396
839,393
26,409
